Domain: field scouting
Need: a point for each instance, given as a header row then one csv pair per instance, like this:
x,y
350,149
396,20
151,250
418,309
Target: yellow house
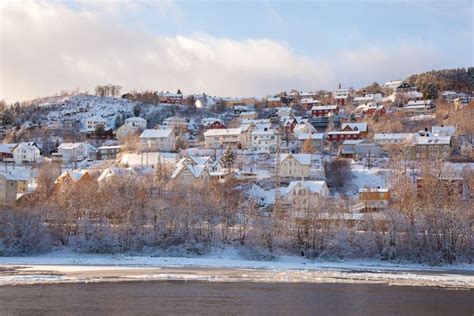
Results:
x,y
374,198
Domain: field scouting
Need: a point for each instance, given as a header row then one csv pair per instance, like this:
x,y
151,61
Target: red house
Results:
x,y
324,110
216,125
340,136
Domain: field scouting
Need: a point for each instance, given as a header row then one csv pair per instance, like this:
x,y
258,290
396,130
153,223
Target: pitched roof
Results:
x,y
156,133
359,126
312,186
223,132
304,159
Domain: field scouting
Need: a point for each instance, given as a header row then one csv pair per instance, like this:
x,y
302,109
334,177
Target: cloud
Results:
x,y
48,46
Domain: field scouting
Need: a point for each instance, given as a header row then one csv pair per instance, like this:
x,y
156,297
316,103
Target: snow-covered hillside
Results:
x,y
80,107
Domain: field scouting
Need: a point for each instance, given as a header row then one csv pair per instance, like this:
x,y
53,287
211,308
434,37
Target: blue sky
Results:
x,y
238,48
324,27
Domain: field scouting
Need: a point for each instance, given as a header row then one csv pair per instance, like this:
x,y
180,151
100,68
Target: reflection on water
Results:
x,y
192,297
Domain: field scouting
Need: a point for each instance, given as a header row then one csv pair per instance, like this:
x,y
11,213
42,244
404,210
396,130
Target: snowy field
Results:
x,y
225,266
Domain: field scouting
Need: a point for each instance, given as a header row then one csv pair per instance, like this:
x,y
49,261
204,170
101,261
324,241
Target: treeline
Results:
x,y
149,214
459,79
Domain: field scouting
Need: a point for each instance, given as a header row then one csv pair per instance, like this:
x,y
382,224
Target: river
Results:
x,y
234,298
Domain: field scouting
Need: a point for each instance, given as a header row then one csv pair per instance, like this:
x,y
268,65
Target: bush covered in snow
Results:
x,y
22,233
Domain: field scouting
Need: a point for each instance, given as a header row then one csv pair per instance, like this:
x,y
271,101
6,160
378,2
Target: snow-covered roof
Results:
x,y
444,130
391,136
324,107
135,119
263,132
309,101
74,175
359,126
195,169
273,99
312,186
223,132
343,132
5,149
156,133
352,141
304,136
432,140
304,159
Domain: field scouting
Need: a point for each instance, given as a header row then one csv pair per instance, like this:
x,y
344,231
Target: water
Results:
x,y
235,298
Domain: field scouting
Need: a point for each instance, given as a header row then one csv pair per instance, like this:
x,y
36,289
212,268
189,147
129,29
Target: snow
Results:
x,y
364,177
156,133
226,265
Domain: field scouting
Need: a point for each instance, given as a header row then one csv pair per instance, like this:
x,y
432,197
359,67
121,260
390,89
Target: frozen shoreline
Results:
x,y
228,258
224,266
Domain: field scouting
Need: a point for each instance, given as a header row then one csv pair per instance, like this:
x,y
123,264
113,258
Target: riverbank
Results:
x,y
225,266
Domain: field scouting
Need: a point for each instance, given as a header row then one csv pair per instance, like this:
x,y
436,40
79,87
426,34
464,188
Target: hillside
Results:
x,y
459,79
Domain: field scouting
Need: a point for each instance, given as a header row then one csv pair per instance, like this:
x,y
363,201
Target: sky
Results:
x,y
226,48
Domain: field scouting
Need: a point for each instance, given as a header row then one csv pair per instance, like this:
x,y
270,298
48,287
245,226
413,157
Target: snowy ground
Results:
x,y
224,266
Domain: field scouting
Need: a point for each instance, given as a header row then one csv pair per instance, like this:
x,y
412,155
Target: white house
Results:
x,y
26,153
306,191
317,139
158,140
391,138
176,123
126,130
136,122
265,140
71,152
92,122
295,165
223,138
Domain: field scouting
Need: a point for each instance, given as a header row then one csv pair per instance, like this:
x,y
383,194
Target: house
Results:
x,y
443,130
354,127
8,189
241,107
223,138
392,84
73,152
171,98
5,153
430,146
303,127
158,140
92,123
190,168
126,130
306,192
212,123
360,149
70,177
418,107
26,152
308,103
175,123
374,199
392,138
265,140
317,139
274,102
138,122
251,115
341,96
370,109
284,112
295,165
367,98
340,136
108,152
324,110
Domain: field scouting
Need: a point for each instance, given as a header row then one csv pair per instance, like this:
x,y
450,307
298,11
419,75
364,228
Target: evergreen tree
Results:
x,y
136,110
228,158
